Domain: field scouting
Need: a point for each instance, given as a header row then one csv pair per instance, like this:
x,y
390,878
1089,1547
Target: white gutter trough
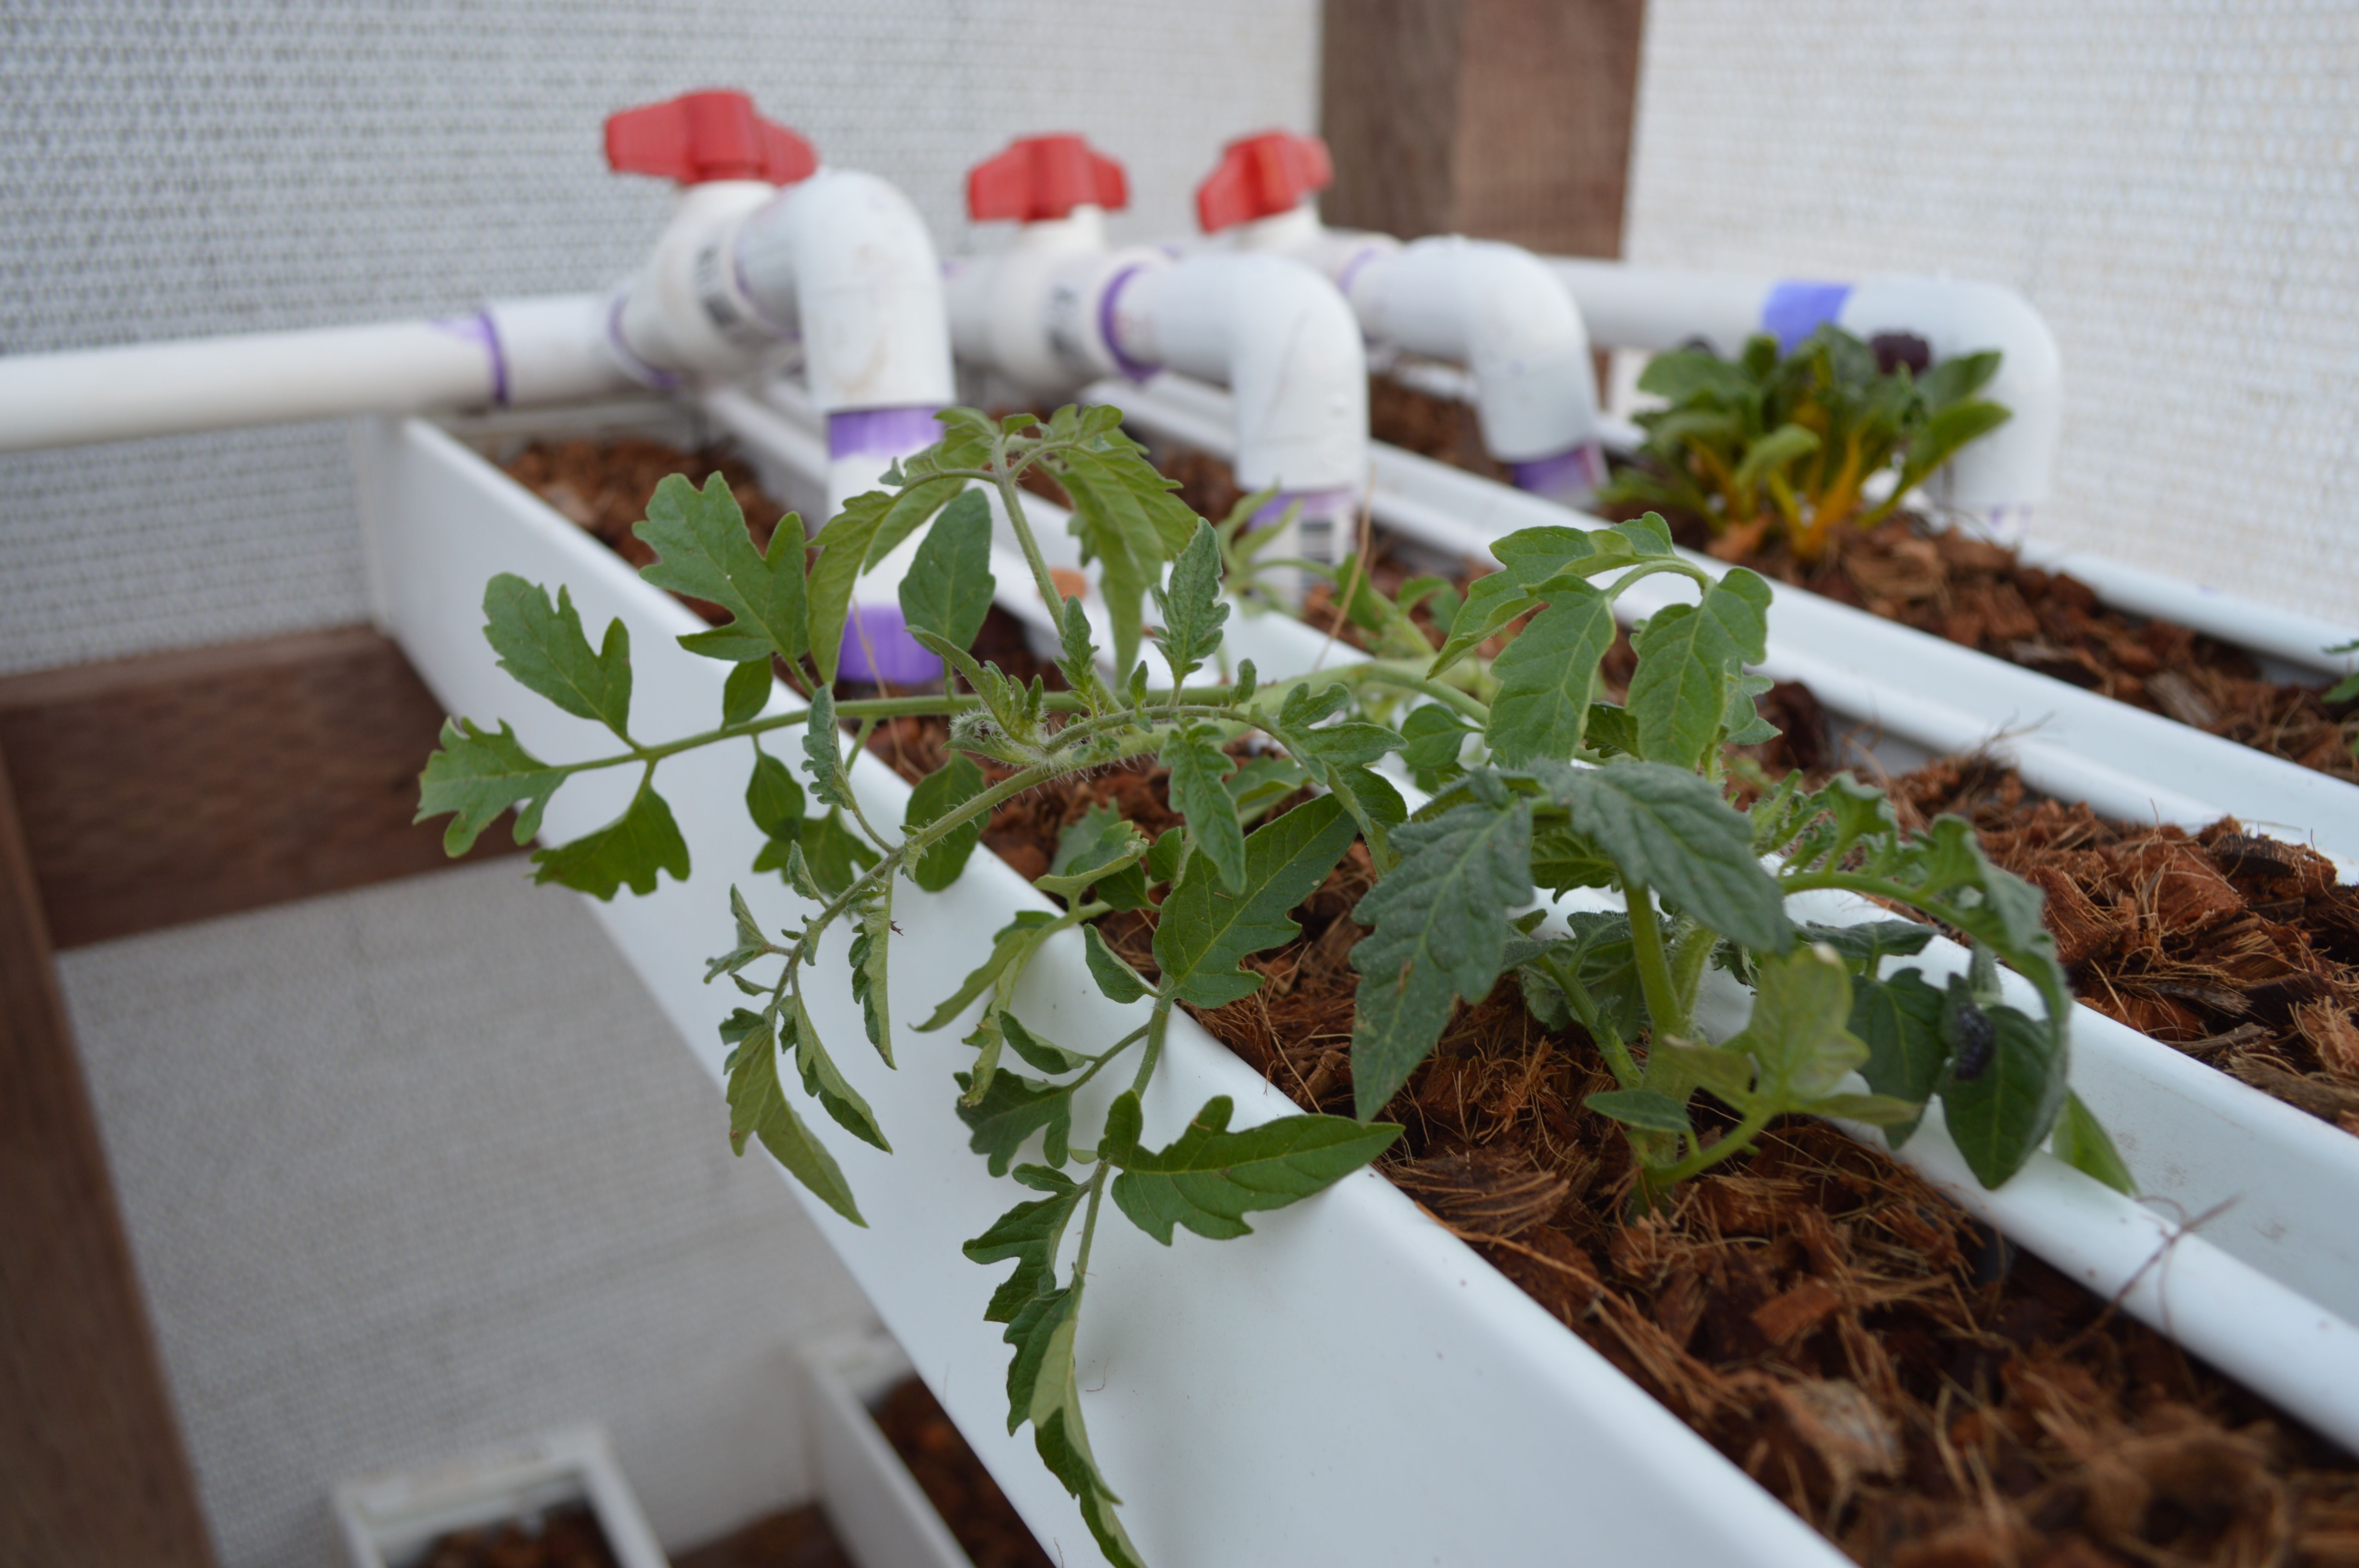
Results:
x,y
2125,762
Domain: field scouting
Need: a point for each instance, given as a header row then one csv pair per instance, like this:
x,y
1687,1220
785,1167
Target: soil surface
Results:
x,y
566,1537
1918,1390
794,1538
1979,594
955,1482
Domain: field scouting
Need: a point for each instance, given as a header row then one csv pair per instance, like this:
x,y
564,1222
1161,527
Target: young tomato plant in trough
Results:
x,y
1794,441
1538,786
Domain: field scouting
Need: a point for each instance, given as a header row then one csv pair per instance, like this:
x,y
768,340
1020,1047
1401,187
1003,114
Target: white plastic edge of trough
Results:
x,y
1511,1405
879,1512
2275,1188
387,1520
2125,762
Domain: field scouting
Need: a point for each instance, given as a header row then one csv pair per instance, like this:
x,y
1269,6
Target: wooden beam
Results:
x,y
180,786
91,1470
1508,119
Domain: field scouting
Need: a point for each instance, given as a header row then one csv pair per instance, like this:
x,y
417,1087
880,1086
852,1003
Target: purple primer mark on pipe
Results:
x,y
479,330
1569,474
1797,308
878,649
882,432
1351,269
1134,369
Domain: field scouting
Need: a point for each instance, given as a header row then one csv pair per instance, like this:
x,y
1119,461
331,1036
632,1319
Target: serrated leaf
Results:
x,y
1799,1031
1209,1178
2003,1113
1078,654
630,850
845,547
1337,756
1204,931
1643,1108
824,1082
1096,847
1433,737
544,647
948,589
869,953
937,794
1591,975
1899,1021
1648,535
1687,658
1440,933
1198,765
1742,723
2082,1141
1192,611
477,774
751,943
1117,982
1611,730
1670,830
1028,1235
1012,941
1548,676
823,754
832,853
1011,1109
758,1109
1045,1055
704,551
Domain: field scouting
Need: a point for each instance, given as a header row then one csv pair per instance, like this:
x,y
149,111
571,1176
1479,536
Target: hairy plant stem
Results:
x,y
1663,1002
1157,1024
1090,1223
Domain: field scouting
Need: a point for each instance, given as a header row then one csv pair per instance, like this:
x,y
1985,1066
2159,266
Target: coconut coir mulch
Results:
x,y
1979,594
566,1537
971,1503
1916,1388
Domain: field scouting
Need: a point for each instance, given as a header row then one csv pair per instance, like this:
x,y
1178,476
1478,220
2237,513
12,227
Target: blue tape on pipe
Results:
x,y
1797,308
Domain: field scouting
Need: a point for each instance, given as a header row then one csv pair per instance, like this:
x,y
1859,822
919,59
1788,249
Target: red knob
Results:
x,y
707,136
1044,177
1261,176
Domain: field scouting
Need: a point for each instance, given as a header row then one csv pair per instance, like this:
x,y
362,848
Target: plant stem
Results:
x,y
1090,1223
1155,1026
1654,969
1706,1157
1405,680
1003,477
1692,951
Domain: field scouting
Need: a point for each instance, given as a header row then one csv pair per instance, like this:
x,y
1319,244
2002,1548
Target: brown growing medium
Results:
x,y
1979,594
971,1503
1907,1382
566,1537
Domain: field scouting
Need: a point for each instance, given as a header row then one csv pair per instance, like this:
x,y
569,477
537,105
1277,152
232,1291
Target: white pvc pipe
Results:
x,y
511,352
2000,477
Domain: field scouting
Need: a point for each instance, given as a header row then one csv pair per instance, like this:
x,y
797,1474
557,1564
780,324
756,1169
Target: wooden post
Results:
x,y
91,1470
1507,119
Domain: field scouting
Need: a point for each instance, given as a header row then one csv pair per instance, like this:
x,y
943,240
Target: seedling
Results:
x,y
1538,786
1799,441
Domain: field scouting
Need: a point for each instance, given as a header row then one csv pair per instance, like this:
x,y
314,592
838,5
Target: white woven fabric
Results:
x,y
2174,185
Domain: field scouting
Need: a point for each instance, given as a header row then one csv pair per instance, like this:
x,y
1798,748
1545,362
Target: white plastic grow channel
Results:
x,y
2125,762
2275,1184
1196,1393
878,1511
388,1521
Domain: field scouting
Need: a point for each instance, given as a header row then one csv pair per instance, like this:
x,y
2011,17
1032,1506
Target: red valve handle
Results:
x,y
1045,176
702,136
1260,176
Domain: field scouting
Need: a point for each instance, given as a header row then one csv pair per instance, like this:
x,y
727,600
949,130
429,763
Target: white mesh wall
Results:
x,y
2173,185
417,1169
179,170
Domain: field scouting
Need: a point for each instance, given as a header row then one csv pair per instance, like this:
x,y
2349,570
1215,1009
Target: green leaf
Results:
x,y
1101,844
2081,1142
1014,1108
745,691
1045,1055
832,852
949,586
1591,975
630,850
1687,655
937,795
1192,611
544,647
1016,939
824,1083
1642,1108
1198,765
773,799
1170,850
1210,1178
1433,737
1742,720
1204,931
1548,676
704,551
822,752
1611,730
751,944
1440,919
844,551
868,953
1900,1020
1799,1029
1886,1111
1337,755
757,1108
1261,782
1028,1235
1999,1116
1669,831
1773,452
1116,980
1867,943
476,775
